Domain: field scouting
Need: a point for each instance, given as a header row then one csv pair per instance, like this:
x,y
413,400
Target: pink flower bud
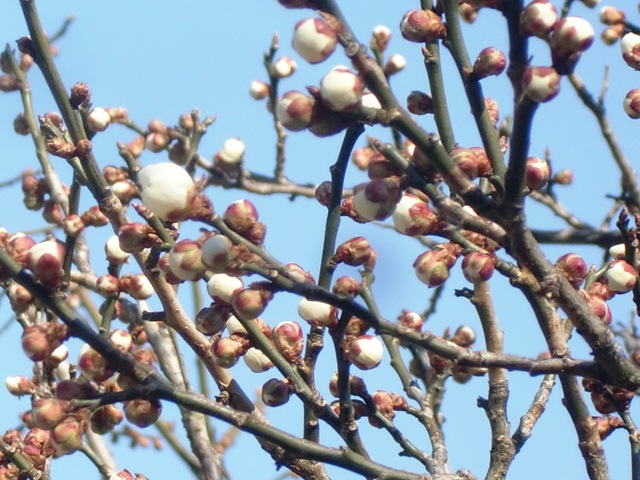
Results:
x,y
66,437
98,119
430,269
384,405
142,413
395,64
571,35
631,103
284,67
464,336
289,340
132,238
107,285
232,152
620,277
250,302
422,26
314,40
226,351
365,352
18,246
138,286
599,307
222,286
46,413
412,321
167,190
538,18
298,274
294,110
156,142
185,260
92,364
124,190
377,199
19,297
217,253
256,360
380,38
36,343
419,103
356,385
598,289
573,267
478,266
45,261
630,46
317,313
19,386
94,217
355,252
537,174
275,392
413,217
121,339
242,217
346,287
341,90
490,61
541,84
105,418
259,90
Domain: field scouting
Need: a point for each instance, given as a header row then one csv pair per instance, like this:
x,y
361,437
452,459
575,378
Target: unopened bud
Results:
x,y
365,352
314,39
478,266
257,361
284,67
490,61
419,103
142,413
537,174
538,18
422,26
275,392
98,119
620,277
341,90
289,340
541,84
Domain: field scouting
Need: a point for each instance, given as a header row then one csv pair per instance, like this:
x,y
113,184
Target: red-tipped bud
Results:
x,y
541,84
573,267
132,238
478,266
383,402
250,302
631,103
142,413
185,260
599,308
45,261
259,90
538,18
275,392
571,35
105,418
294,110
346,287
19,297
226,351
377,199
431,269
242,217
630,47
620,277
314,39
317,313
341,90
419,103
412,321
156,142
138,286
422,26
92,364
563,177
19,386
107,285
37,342
66,437
284,67
490,61
380,38
395,64
289,340
464,336
365,352
121,339
537,174
355,252
413,217
257,361
46,413
598,289
217,253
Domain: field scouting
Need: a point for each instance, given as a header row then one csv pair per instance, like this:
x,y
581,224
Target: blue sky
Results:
x,y
162,59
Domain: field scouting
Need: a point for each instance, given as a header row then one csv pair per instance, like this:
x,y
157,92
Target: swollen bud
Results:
x,y
142,413
620,277
478,266
289,340
631,103
341,90
538,18
365,352
422,26
314,39
537,174
490,61
541,84
275,392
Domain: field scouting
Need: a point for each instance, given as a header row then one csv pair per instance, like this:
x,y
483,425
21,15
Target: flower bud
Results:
x,y
431,269
92,364
611,35
256,360
563,177
212,320
490,61
631,103
380,38
20,125
422,26
598,307
107,286
355,252
317,313
142,413
167,190
259,90
138,286
232,152
46,413
19,297
377,199
611,15
66,437
294,110
132,238
346,287
275,392
412,321
384,406
36,343
464,336
18,246
365,352
289,340
121,339
98,119
314,39
45,261
598,289
226,351
395,64
284,67
620,277
156,142
571,35
185,260
478,266
250,302
136,146
630,46
115,255
537,173
419,103
105,418
538,18
19,386
541,84
222,286
242,217
341,90
573,267
413,217
217,253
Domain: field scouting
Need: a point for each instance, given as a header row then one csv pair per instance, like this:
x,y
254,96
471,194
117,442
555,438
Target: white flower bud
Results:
x,y
630,46
620,277
284,67
366,352
316,313
538,18
167,190
259,90
631,103
98,119
223,286
314,40
234,326
256,360
341,90
541,84
232,151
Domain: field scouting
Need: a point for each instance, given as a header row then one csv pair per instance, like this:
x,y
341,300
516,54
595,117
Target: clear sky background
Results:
x,y
162,59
